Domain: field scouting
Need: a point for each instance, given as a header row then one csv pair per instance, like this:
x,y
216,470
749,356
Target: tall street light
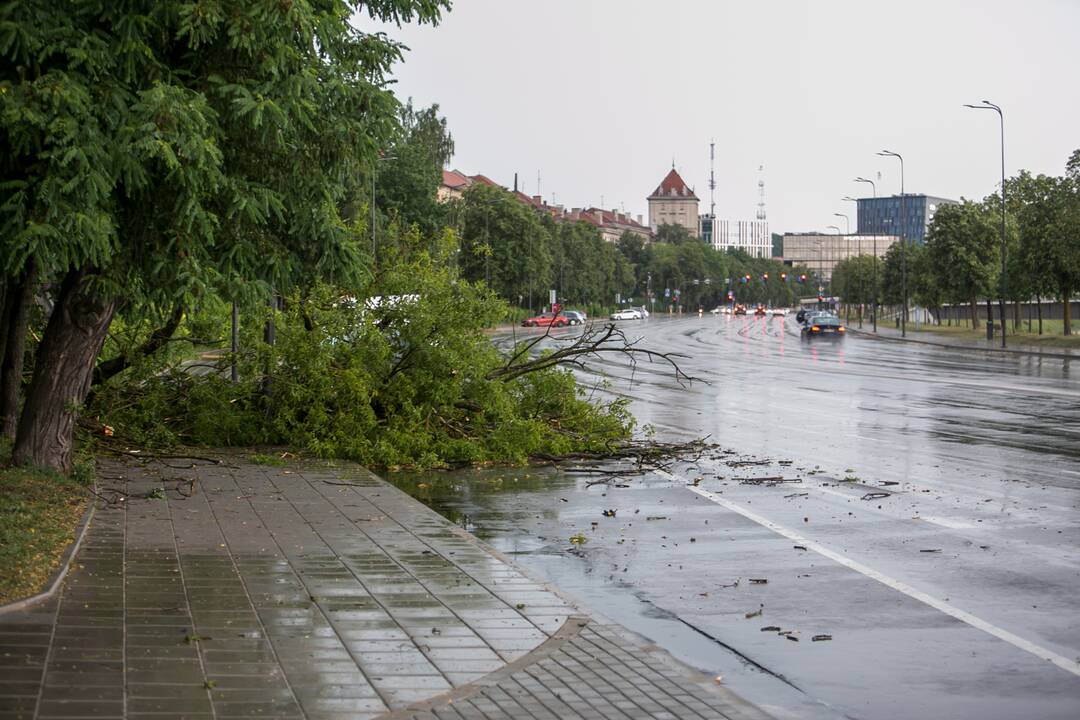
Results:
x,y
903,243
987,105
876,293
833,268
847,244
858,253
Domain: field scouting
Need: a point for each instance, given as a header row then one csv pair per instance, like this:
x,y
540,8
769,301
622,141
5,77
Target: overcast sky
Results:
x,y
599,96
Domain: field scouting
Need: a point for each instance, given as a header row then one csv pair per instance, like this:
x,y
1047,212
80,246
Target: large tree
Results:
x,y
1064,247
156,150
963,248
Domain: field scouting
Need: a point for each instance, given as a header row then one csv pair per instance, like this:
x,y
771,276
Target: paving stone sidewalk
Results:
x,y
241,590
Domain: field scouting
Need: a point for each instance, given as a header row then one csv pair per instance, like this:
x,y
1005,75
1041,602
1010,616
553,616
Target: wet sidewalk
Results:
x,y
239,590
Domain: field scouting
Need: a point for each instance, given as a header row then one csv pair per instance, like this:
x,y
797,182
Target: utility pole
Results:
x,y
877,292
987,105
903,243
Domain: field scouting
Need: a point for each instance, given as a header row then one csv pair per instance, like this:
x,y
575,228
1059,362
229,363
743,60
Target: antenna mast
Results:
x,y
761,193
712,179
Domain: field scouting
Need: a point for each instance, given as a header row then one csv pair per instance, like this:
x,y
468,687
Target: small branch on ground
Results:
x,y
640,456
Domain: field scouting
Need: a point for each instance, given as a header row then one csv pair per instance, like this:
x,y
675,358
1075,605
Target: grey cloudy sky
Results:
x,y
600,95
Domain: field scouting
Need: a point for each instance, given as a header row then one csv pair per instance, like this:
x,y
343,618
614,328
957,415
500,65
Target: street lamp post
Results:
x,y
876,291
858,254
987,105
832,270
847,251
903,243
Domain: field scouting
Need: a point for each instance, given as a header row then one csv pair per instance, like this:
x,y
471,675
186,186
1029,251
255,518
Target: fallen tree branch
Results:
x,y
594,342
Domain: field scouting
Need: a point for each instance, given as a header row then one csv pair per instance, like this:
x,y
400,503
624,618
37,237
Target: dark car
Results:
x,y
546,320
576,317
823,325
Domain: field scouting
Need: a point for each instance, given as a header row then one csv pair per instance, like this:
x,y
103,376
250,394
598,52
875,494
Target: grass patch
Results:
x,y
271,460
1052,336
39,512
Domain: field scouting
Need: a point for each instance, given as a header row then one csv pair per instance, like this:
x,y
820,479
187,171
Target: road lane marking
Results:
x,y
1015,640
951,523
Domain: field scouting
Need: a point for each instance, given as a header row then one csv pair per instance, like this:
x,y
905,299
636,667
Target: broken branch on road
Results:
x,y
594,342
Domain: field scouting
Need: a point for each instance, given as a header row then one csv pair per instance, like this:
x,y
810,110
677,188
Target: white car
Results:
x,y
778,311
628,314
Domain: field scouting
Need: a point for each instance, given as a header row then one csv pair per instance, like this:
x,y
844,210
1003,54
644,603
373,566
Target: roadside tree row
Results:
x,y
960,264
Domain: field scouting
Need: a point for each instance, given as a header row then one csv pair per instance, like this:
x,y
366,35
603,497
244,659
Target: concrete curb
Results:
x,y
965,348
61,572
570,629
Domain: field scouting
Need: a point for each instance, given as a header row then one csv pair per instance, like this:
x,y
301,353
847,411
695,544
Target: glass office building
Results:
x,y
881,216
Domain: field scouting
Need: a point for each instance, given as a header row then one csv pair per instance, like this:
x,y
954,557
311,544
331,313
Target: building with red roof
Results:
x,y
673,203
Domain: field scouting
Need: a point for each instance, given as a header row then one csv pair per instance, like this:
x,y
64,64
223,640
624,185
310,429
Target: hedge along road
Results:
x,y
932,535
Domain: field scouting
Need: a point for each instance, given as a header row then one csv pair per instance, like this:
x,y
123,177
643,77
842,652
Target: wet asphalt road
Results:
x,y
954,595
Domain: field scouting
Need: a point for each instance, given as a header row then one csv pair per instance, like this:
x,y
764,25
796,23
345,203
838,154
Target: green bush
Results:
x,y
401,378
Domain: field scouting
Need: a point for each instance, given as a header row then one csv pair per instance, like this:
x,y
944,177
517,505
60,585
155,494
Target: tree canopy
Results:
x,y
157,150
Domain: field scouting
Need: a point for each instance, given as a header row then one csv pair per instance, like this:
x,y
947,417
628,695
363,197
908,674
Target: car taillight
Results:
x,y
815,328
841,329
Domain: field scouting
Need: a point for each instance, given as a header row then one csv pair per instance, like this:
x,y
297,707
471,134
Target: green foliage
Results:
x,y
964,246
408,176
398,379
854,278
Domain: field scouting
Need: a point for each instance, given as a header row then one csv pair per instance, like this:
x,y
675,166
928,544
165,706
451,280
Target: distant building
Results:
x,y
750,236
673,203
453,186
777,245
612,224
821,252
882,215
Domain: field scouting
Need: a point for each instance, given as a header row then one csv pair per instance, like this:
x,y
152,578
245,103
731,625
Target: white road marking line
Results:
x,y
1015,640
952,523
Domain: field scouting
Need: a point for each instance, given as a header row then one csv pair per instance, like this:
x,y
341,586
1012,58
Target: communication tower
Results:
x,y
712,179
761,193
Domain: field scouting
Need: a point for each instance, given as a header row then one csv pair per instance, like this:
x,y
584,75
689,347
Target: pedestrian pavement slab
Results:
x,y
221,588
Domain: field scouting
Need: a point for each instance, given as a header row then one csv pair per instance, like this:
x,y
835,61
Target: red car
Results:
x,y
546,320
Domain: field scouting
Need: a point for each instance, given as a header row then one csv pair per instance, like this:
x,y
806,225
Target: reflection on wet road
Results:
x,y
932,495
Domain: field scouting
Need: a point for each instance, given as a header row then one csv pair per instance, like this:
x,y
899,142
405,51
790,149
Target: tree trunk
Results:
x,y
974,313
62,372
1016,315
990,313
19,295
1038,309
1066,310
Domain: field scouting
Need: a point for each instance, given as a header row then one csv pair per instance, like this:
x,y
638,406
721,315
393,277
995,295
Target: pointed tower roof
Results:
x,y
672,186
